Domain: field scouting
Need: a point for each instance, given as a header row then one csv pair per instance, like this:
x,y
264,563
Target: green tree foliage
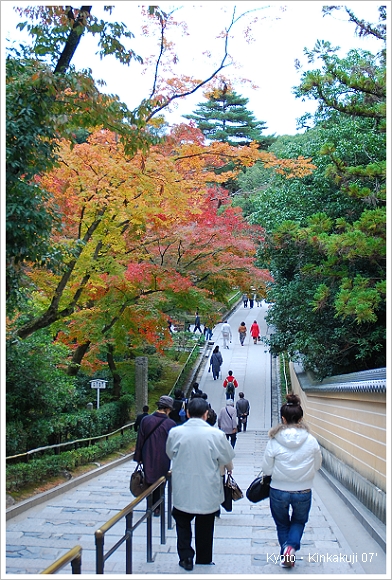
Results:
x,y
326,234
37,388
224,117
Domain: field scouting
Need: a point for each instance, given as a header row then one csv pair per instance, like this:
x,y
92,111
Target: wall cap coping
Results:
x,y
370,381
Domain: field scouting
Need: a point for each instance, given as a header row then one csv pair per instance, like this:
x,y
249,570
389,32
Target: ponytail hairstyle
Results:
x,y
292,410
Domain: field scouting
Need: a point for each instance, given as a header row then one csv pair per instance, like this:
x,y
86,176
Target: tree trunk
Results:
x,y
113,370
74,366
73,39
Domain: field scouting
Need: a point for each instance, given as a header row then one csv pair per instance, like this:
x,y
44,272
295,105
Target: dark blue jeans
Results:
x,y
290,527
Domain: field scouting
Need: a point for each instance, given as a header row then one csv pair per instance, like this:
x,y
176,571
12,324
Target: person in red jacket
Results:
x,y
230,384
255,331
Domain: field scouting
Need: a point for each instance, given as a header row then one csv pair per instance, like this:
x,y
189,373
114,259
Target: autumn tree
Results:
x,y
135,231
48,99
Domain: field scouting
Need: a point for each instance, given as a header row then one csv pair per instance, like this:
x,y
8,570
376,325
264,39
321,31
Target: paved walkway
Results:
x,y
334,543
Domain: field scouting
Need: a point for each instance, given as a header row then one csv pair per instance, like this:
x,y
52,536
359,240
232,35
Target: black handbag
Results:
x,y
232,491
259,488
138,483
227,503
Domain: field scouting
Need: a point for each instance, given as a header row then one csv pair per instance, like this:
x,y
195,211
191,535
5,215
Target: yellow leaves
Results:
x,y
195,157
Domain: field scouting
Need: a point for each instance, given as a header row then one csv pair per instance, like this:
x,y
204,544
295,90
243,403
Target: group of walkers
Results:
x,y
226,332
200,455
252,299
187,436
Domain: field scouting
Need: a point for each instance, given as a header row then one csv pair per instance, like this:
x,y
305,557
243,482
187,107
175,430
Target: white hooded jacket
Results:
x,y
292,456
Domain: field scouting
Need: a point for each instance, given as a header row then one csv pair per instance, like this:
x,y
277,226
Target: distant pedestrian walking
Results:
x,y
227,421
196,391
226,334
197,323
255,331
251,301
178,413
292,457
216,362
207,332
230,384
242,332
245,300
242,407
141,416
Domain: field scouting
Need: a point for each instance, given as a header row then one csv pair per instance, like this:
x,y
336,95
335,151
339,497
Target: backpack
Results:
x,y
230,388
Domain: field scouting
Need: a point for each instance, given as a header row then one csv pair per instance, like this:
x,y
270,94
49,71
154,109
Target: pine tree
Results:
x,y
224,117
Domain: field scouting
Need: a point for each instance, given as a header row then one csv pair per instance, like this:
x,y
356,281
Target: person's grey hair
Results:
x,y
197,407
229,402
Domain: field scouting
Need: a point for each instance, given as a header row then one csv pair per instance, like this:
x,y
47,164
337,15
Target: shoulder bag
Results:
x,y
259,488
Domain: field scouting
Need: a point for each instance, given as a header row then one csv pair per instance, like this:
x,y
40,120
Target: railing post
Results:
x,y
169,503
128,543
99,562
163,515
149,528
76,564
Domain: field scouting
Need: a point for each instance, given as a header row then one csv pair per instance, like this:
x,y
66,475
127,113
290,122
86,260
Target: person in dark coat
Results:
x,y
216,362
242,408
197,323
179,402
151,445
141,416
196,391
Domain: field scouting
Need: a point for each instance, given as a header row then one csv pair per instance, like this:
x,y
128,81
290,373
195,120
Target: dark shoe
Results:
x,y
187,564
205,563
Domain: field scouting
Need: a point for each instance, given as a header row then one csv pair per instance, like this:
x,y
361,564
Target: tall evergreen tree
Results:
x,y
224,117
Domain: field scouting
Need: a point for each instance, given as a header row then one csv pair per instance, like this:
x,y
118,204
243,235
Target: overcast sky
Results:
x,y
281,34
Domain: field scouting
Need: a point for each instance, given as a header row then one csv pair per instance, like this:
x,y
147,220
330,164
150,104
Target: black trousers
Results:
x,y
232,437
204,535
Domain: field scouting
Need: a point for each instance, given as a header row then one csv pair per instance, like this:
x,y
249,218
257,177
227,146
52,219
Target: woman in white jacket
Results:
x,y
292,457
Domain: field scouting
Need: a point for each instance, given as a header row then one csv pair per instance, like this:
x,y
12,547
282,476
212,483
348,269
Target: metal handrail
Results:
x,y
284,372
74,555
28,454
185,368
127,512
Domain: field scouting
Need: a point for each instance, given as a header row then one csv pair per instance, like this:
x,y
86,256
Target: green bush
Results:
x,y
67,427
16,438
38,470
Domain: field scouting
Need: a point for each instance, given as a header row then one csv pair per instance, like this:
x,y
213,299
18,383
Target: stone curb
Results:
x,y
22,506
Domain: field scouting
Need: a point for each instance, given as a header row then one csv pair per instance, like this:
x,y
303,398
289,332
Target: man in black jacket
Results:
x,y
242,408
141,416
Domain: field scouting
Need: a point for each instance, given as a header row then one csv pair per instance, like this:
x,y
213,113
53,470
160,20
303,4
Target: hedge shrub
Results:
x,y
38,470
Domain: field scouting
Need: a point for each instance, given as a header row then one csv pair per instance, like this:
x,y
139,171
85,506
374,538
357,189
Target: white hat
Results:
x,y
229,402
